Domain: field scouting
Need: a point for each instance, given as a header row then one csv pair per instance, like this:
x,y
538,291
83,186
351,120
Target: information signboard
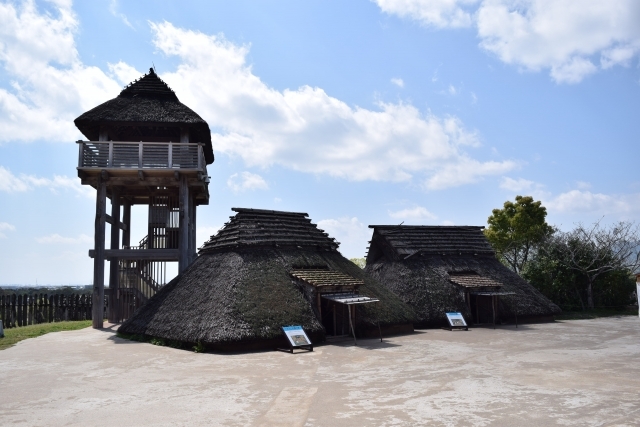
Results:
x,y
297,337
456,321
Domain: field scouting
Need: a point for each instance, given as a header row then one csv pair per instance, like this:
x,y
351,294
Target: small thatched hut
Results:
x,y
264,270
438,269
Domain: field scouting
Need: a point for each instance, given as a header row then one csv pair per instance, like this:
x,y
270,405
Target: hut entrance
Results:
x,y
482,308
334,318
333,293
347,300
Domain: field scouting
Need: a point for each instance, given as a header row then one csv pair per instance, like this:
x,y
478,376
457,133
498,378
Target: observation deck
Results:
x,y
141,166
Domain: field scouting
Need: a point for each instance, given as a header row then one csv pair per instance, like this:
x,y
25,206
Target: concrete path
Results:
x,y
572,373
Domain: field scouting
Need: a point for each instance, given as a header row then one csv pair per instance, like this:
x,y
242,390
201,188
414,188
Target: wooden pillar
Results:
x,y
192,230
183,236
98,260
114,270
126,220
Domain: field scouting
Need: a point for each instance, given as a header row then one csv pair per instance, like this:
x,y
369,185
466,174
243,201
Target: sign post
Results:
x,y
297,338
456,321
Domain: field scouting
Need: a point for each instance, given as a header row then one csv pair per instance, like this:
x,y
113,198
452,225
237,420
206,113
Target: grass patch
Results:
x,y
14,335
596,313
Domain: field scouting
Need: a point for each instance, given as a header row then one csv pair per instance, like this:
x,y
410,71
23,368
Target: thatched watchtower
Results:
x,y
264,270
436,269
144,148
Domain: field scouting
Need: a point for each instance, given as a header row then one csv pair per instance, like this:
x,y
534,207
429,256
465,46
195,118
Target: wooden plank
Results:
x,y
98,261
141,254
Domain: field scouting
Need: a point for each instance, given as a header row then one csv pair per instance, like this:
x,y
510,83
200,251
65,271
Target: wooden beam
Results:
x,y
141,254
98,261
109,219
126,219
183,232
114,271
192,230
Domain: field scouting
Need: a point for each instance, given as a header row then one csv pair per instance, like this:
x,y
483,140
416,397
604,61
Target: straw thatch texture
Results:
x,y
243,293
146,102
421,273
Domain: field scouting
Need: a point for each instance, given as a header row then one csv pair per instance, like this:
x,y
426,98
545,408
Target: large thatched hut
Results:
x,y
264,270
438,269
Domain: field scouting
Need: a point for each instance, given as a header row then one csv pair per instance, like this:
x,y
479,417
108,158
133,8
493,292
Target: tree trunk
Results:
x,y
589,294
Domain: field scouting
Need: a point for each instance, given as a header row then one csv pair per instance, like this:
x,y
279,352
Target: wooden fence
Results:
x,y
23,310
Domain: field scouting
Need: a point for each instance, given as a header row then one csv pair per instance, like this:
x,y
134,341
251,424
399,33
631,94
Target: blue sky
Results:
x,y
358,113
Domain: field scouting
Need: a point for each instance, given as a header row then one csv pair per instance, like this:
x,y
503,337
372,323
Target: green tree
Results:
x,y
595,251
517,229
360,262
590,280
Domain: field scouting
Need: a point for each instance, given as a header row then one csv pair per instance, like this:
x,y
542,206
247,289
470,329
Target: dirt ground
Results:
x,y
582,373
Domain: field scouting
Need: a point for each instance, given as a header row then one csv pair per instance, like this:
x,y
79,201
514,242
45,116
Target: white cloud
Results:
x,y
5,226
452,90
58,239
306,129
203,233
436,13
582,201
124,72
416,214
11,183
519,184
398,82
49,84
466,171
350,232
113,8
565,37
246,181
562,36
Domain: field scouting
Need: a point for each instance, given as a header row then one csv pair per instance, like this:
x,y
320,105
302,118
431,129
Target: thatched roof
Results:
x,y
259,228
240,291
429,273
400,242
149,102
472,280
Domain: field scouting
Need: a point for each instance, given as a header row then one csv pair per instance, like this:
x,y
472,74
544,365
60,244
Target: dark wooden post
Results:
x,y
98,260
114,273
192,230
183,239
126,220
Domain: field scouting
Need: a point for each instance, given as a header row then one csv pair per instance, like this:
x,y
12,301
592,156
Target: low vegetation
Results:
x,y
14,335
590,268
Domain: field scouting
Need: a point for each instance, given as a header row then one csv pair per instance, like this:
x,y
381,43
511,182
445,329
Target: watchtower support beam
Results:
x,y
126,219
183,235
114,276
98,261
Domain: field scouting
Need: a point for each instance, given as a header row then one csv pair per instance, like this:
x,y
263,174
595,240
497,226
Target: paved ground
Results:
x,y
582,373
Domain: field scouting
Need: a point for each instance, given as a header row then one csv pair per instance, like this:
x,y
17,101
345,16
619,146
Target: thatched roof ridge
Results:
x,y
146,101
259,228
402,241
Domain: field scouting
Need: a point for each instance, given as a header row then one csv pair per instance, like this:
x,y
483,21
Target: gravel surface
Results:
x,y
582,373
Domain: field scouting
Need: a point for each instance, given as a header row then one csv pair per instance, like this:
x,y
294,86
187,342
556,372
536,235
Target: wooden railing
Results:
x,y
140,155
